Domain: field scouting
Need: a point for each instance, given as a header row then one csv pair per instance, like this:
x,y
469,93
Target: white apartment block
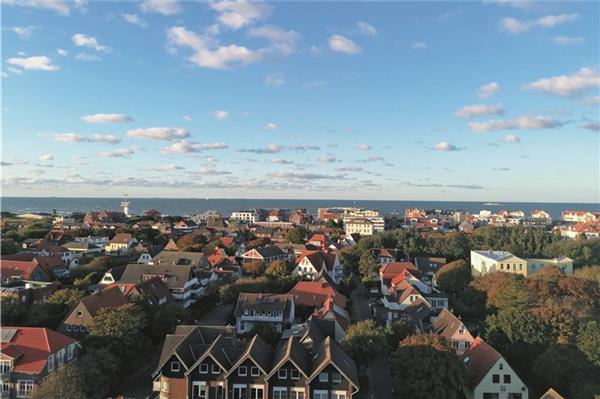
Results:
x,y
483,262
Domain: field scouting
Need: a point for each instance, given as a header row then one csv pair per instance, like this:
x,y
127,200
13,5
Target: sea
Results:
x,y
190,206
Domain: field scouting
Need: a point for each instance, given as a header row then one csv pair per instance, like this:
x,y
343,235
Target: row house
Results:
x,y
313,263
181,280
205,362
28,355
253,309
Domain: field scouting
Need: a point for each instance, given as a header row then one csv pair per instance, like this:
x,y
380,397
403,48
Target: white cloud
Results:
x,y
521,122
78,138
445,146
46,158
208,53
83,40
419,45
159,133
511,138
283,40
515,26
185,146
36,63
350,169
373,158
594,126
270,149
271,126
60,6
366,28
106,118
118,153
220,115
568,85
135,19
164,7
281,161
236,14
566,40
299,175
342,44
363,147
169,168
87,57
327,158
469,111
24,32
488,90
62,52
187,118
592,100
210,172
275,79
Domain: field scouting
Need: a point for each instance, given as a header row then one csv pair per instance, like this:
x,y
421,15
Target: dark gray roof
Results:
x,y
291,349
329,352
179,258
174,276
429,265
274,302
270,251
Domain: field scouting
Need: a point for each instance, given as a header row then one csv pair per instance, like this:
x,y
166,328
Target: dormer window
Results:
x,y
243,371
175,366
336,378
254,372
203,368
294,374
323,377
282,374
215,369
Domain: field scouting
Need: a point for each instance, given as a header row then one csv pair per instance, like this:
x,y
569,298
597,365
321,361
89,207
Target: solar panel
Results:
x,y
7,334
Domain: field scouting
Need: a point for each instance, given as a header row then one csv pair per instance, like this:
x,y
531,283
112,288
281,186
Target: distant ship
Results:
x,y
491,203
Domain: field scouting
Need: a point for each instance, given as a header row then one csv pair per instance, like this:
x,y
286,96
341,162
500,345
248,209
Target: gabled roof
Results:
x,y
479,359
328,352
313,293
174,276
179,258
551,394
446,324
20,269
108,298
121,238
268,252
274,302
30,346
319,259
293,351
392,269
259,352
340,315
224,350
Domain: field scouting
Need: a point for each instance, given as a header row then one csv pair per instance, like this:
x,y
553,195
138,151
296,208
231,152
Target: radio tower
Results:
x,y
125,205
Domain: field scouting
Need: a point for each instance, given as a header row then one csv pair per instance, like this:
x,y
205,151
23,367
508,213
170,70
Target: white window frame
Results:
x,y
245,373
294,374
338,395
5,366
28,386
323,376
279,393
70,352
252,369
175,369
334,379
51,362
203,368
320,394
5,387
215,369
60,357
282,374
297,393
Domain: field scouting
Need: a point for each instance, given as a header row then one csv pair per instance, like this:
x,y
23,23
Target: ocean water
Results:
x,y
189,206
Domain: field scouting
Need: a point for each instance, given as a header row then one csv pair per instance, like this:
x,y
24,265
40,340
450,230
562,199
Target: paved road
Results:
x,y
219,316
379,381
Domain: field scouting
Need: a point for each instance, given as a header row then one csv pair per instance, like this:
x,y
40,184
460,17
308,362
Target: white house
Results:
x,y
483,262
311,263
276,310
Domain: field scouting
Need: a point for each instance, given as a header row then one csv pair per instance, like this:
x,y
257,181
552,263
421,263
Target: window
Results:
x,y
4,366
50,362
323,377
242,326
5,386
282,374
215,369
336,377
164,386
279,393
317,394
490,396
500,366
70,352
68,327
24,388
515,396
203,368
254,371
296,393
496,378
338,395
256,392
507,378
82,328
79,313
243,371
60,357
75,328
174,366
294,374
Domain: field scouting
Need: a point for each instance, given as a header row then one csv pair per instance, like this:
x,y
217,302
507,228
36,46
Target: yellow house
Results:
x,y
483,262
489,374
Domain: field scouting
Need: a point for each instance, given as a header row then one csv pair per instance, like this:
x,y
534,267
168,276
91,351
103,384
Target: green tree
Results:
x,y
434,369
297,234
8,247
365,341
45,314
13,312
66,382
453,277
397,331
67,297
101,368
588,341
589,273
193,242
266,331
277,269
367,265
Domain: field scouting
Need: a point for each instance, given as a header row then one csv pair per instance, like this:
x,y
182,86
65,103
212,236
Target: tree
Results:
x,y
589,273
101,368
296,235
453,277
277,269
397,331
67,297
193,242
266,331
588,341
13,312
66,382
8,247
119,328
364,341
434,369
254,268
367,265
89,279
162,319
45,314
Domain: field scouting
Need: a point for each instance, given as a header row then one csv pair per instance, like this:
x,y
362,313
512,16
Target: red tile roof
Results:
x,y
392,269
31,346
19,269
478,359
121,238
314,293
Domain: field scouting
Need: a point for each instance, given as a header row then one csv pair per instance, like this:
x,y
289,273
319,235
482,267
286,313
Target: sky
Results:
x,y
482,101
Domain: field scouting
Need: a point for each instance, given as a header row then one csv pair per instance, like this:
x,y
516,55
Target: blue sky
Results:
x,y
492,101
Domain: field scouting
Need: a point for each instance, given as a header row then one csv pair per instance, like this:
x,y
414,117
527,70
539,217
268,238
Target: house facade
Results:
x,y
311,263
275,310
483,262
